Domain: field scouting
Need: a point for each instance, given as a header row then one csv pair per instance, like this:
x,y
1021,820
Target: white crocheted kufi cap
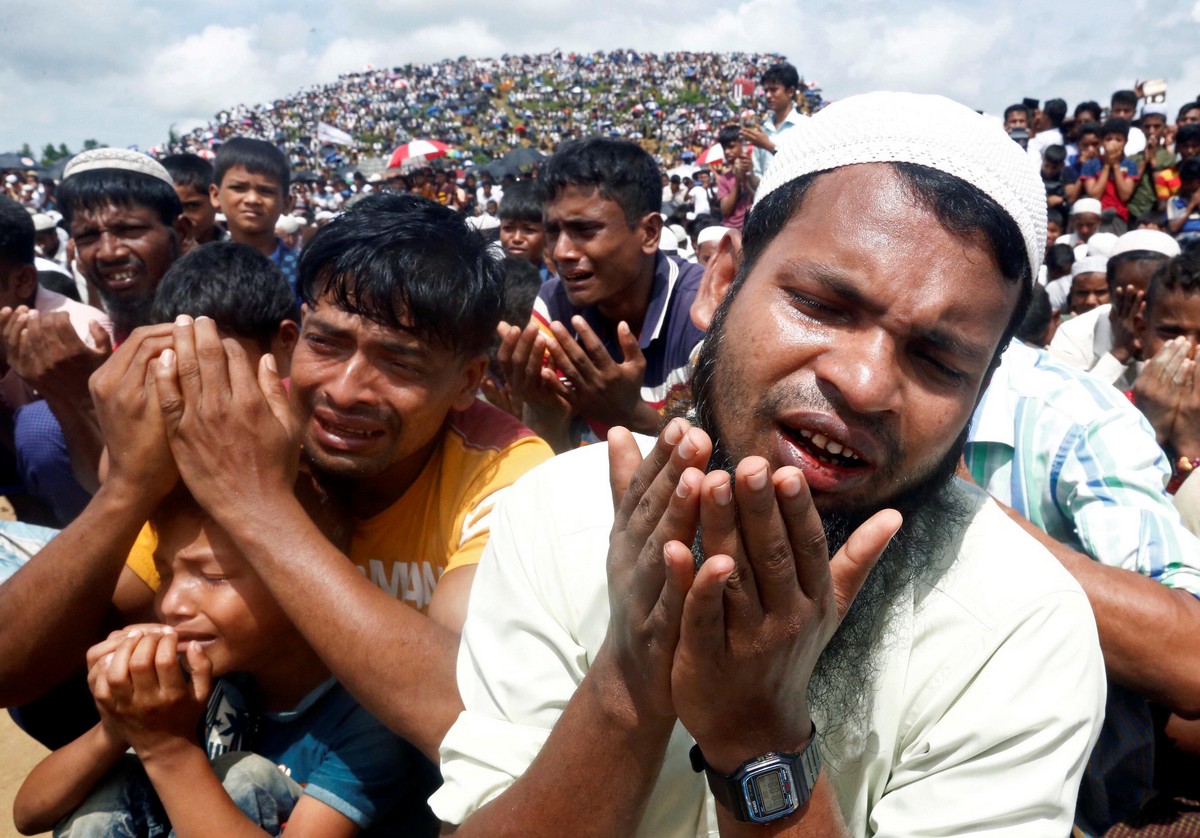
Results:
x,y
1101,244
117,158
1090,265
1152,240
927,130
711,234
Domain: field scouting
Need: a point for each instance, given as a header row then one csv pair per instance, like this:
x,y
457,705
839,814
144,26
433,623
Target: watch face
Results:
x,y
769,790
770,793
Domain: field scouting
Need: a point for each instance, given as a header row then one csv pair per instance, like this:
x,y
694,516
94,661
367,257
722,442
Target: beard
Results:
x,y
844,679
127,312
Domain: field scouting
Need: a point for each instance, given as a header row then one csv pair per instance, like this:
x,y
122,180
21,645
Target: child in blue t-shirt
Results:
x,y
281,744
1183,209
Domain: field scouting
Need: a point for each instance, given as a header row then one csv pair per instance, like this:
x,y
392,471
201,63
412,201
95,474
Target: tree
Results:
x,y
88,145
26,151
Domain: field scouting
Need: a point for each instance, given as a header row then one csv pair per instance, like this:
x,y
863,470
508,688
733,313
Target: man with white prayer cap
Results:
x,y
668,649
1103,340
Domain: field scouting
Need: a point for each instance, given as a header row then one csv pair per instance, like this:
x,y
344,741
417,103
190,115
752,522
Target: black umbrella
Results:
x,y
58,166
523,159
305,177
13,160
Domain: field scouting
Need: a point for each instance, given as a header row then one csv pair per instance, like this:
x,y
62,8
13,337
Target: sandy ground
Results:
x,y
18,754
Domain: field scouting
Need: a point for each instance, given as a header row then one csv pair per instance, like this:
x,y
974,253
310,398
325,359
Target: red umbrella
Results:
x,y
417,148
713,154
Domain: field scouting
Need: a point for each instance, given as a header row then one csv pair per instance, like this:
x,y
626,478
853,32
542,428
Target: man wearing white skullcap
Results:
x,y
1089,284
1084,222
691,663
1103,340
128,227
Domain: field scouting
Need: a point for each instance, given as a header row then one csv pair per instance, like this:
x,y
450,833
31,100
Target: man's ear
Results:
x,y
718,277
649,230
282,346
183,229
213,192
472,375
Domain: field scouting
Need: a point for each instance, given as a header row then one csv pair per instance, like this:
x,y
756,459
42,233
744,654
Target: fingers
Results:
x,y
592,347
702,628
276,394
806,532
647,490
631,350
720,536
170,394
142,672
186,364
848,569
676,525
200,668
100,338
167,669
214,361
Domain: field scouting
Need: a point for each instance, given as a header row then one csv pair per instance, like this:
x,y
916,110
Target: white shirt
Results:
x,y
990,696
1086,341
699,196
761,158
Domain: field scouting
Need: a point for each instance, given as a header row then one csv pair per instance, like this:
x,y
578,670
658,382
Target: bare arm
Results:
x,y
1095,186
53,608
396,662
60,782
1147,630
1124,183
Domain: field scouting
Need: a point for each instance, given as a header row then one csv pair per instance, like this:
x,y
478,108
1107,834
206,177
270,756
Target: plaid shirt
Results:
x,y
1074,457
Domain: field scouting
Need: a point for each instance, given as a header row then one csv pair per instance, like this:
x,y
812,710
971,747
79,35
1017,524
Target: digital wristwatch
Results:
x,y
764,788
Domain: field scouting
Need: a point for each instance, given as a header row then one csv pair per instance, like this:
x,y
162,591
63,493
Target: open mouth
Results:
x,y
121,280
346,436
824,449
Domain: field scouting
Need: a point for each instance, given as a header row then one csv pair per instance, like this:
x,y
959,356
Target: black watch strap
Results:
x,y
728,790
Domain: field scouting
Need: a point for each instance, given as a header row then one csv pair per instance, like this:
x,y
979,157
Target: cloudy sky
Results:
x,y
124,71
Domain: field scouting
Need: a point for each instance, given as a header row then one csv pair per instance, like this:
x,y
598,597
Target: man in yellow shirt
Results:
x,y
401,303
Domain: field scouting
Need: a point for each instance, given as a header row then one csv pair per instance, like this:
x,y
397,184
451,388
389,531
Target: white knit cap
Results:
x,y
1151,240
927,130
711,234
667,241
1083,205
42,222
1090,265
1101,244
117,158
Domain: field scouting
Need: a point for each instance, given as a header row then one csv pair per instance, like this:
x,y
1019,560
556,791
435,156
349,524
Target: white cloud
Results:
x,y
124,71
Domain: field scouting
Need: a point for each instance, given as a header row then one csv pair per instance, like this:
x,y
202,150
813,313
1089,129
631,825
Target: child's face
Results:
x,y
1053,231
1174,314
213,599
197,206
252,203
1088,291
1114,145
523,239
1187,188
1051,169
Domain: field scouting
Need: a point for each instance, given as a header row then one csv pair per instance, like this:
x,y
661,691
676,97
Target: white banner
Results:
x,y
328,134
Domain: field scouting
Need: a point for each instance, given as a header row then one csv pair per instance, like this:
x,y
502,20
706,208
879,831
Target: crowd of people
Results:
x,y
843,484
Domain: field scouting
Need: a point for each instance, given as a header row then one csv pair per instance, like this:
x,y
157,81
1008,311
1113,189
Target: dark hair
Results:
x,y
408,263
234,284
1158,219
1011,109
1124,97
1115,125
1055,111
728,135
698,223
1037,318
1190,106
1189,133
1089,106
783,74
1190,169
189,170
1060,258
619,170
59,283
522,202
258,157
1055,154
1129,257
960,207
521,285
98,188
1056,215
1179,274
16,233
1091,128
